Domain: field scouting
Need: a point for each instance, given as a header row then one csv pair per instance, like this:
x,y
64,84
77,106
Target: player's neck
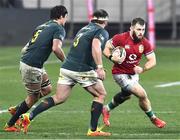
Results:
x,y
130,33
58,22
101,25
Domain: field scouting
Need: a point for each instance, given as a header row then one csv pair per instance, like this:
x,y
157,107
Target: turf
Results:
x,y
71,119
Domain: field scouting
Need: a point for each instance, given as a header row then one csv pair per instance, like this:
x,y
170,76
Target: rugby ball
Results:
x,y
119,52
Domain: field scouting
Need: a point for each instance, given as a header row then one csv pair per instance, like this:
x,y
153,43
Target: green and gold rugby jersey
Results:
x,y
38,49
80,55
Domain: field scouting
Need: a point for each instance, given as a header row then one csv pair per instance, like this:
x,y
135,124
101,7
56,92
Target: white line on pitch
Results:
x,y
82,111
169,84
81,134
3,111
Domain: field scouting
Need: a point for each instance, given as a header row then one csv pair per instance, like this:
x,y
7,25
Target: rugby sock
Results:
x,y
111,106
23,108
150,114
119,98
44,105
17,106
96,110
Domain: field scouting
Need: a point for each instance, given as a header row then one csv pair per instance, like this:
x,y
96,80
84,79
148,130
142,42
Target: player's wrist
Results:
x,y
99,66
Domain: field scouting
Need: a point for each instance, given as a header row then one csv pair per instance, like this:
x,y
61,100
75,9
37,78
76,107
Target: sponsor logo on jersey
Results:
x,y
132,57
141,48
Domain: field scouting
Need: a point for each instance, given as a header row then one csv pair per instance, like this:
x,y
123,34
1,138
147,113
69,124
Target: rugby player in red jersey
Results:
x,y
126,73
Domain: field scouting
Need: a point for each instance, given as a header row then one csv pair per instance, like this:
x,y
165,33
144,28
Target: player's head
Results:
x,y
100,16
59,12
137,29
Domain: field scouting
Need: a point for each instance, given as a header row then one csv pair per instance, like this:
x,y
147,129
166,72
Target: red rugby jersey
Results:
x,y
134,52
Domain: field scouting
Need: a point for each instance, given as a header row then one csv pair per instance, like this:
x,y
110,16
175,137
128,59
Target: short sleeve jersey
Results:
x,y
80,55
134,52
40,45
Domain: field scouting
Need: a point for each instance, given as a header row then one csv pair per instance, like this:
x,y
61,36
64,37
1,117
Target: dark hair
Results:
x,y
137,20
99,15
58,11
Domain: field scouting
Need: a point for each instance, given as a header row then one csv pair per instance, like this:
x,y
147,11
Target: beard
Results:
x,y
135,38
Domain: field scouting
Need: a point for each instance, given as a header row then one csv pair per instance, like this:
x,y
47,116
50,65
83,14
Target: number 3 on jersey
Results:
x,y
76,41
35,36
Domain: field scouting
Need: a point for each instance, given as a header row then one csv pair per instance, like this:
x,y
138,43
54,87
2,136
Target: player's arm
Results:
x,y
150,63
97,56
108,49
108,52
57,49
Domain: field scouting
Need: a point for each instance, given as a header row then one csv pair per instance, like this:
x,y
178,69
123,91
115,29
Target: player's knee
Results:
x,y
59,99
102,95
46,91
46,88
143,95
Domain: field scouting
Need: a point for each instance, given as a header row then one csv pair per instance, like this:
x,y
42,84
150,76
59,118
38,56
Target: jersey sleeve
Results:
x,y
59,34
116,40
148,49
103,36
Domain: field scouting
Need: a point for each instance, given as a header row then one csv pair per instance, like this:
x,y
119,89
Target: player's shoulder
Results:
x,y
123,35
101,31
104,32
145,41
54,25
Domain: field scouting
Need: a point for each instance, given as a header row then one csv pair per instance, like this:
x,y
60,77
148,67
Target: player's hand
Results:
x,y
138,69
101,73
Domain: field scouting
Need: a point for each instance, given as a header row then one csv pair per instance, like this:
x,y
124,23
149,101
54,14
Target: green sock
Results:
x,y
43,106
150,114
96,110
111,106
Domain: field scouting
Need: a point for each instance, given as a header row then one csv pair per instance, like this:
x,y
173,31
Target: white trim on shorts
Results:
x,y
85,79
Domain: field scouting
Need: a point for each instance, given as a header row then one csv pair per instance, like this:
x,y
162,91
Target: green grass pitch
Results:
x,y
71,119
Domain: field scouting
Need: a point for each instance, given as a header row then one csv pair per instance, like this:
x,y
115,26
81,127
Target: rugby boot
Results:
x,y
13,128
97,133
25,122
106,116
158,122
12,110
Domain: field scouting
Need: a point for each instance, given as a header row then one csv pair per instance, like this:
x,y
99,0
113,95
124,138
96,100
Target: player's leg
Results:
x,y
123,81
145,104
99,93
62,93
32,79
24,106
118,99
46,86
46,89
63,89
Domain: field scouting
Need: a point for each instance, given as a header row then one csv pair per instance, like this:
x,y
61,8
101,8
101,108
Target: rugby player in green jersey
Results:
x,y
84,66
46,38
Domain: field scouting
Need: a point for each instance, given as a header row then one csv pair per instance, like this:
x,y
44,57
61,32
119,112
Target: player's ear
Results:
x,y
131,28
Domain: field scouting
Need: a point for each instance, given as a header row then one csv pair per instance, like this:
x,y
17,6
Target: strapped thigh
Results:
x,y
45,83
